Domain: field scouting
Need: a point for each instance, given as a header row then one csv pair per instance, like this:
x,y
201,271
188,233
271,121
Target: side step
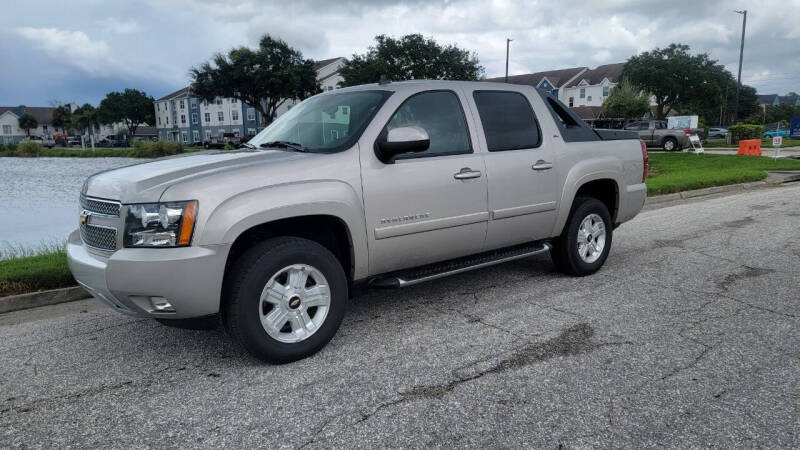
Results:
x,y
410,277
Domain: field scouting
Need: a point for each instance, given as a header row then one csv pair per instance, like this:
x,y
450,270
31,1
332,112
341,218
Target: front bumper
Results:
x,y
129,279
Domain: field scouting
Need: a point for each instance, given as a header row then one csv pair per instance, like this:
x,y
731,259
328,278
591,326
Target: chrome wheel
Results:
x,y
591,238
294,303
669,145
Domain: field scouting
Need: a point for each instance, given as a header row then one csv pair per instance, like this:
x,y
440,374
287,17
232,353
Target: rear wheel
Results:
x,y
670,144
584,244
285,299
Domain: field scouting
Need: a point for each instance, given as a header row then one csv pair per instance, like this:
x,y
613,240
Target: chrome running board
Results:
x,y
410,277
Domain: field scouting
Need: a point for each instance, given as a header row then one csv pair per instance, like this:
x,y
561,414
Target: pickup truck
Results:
x,y
44,141
382,185
654,133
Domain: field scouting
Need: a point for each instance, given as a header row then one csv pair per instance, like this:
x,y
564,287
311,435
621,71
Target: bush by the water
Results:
x,y
30,149
156,149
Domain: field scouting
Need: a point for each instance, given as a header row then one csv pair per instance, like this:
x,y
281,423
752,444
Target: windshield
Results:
x,y
324,123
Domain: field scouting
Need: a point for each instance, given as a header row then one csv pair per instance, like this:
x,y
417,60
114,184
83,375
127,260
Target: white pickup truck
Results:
x,y
382,185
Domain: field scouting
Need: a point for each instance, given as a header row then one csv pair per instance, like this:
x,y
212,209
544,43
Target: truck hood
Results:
x,y
145,182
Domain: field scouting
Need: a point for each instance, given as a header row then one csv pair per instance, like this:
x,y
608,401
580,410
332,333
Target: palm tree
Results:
x,y
62,117
26,122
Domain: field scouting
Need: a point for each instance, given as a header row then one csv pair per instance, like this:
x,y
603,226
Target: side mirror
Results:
x,y
401,140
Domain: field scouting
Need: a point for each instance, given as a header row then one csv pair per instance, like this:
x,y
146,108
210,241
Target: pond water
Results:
x,y
39,197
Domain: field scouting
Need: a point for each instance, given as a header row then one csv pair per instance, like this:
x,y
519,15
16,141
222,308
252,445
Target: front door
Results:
x,y
523,185
429,206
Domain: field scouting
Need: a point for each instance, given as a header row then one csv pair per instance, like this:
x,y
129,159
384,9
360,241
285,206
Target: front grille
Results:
x,y
107,207
99,237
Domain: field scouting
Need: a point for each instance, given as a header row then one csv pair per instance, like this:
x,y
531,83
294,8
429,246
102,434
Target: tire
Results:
x,y
566,252
206,146
297,329
199,323
670,144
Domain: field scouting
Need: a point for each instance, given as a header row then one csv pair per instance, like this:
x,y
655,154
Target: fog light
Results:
x,y
160,304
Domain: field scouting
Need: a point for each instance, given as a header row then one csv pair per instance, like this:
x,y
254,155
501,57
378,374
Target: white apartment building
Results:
x,y
591,87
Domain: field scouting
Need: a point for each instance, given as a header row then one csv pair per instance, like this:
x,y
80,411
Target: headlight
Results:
x,y
160,224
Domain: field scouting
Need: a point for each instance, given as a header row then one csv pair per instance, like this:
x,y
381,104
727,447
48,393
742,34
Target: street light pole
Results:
x,y
741,54
508,41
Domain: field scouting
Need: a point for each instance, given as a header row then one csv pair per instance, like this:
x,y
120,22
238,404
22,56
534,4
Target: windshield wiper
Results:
x,y
285,144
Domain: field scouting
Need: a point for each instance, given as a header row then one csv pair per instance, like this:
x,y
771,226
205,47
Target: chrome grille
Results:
x,y
107,207
99,237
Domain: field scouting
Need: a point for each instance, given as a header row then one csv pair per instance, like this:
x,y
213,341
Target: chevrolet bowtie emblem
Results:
x,y
83,218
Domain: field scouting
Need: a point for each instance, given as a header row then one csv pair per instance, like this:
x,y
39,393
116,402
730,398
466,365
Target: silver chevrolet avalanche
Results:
x,y
383,185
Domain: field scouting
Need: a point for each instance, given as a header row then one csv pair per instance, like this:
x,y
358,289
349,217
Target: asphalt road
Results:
x,y
690,336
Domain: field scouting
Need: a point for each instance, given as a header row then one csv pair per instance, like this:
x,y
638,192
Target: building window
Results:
x,y
220,134
334,134
158,106
220,116
236,132
183,118
589,98
208,135
251,131
173,104
606,90
234,115
233,100
184,137
167,120
6,129
194,118
181,103
205,102
330,88
251,114
571,102
345,110
208,117
583,93
193,103
219,101
159,121
195,136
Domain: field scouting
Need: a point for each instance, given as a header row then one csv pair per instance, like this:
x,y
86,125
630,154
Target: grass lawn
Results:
x,y
24,274
675,172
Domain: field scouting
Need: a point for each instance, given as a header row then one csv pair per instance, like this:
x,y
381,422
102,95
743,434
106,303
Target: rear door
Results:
x,y
523,184
431,206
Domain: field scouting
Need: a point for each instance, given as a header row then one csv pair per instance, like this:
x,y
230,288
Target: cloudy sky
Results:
x,y
78,50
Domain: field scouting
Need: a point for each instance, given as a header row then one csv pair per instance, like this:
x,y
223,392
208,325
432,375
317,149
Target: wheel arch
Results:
x,y
603,185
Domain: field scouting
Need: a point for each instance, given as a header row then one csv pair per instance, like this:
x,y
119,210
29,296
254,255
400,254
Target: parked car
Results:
x,y
418,181
73,141
44,141
113,141
769,134
717,133
655,133
217,142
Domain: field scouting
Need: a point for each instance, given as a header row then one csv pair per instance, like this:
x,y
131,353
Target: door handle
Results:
x,y
467,173
542,165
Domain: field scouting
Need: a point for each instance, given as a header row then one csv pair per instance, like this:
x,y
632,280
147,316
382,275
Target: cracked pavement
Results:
x,y
689,337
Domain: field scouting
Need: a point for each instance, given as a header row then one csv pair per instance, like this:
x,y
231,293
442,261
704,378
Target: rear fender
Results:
x,y
606,167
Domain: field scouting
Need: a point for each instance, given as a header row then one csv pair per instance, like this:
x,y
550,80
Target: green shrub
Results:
x,y
156,149
30,149
743,131
9,149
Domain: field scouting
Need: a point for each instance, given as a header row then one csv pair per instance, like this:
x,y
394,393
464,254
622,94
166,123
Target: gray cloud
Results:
x,y
155,42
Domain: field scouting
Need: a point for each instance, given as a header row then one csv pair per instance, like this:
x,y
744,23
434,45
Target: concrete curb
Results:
x,y
44,298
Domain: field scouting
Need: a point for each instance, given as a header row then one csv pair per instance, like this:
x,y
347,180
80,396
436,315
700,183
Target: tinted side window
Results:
x,y
440,114
508,120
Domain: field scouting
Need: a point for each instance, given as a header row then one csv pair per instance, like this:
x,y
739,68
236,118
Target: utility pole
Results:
x,y
508,41
741,54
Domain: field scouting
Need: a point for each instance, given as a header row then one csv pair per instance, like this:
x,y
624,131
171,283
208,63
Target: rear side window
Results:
x,y
508,120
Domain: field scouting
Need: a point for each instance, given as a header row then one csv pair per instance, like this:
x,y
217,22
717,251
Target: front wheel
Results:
x,y
584,244
285,299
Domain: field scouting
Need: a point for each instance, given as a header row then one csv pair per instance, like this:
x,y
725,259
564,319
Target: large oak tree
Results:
x,y
679,80
263,78
131,107
410,57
